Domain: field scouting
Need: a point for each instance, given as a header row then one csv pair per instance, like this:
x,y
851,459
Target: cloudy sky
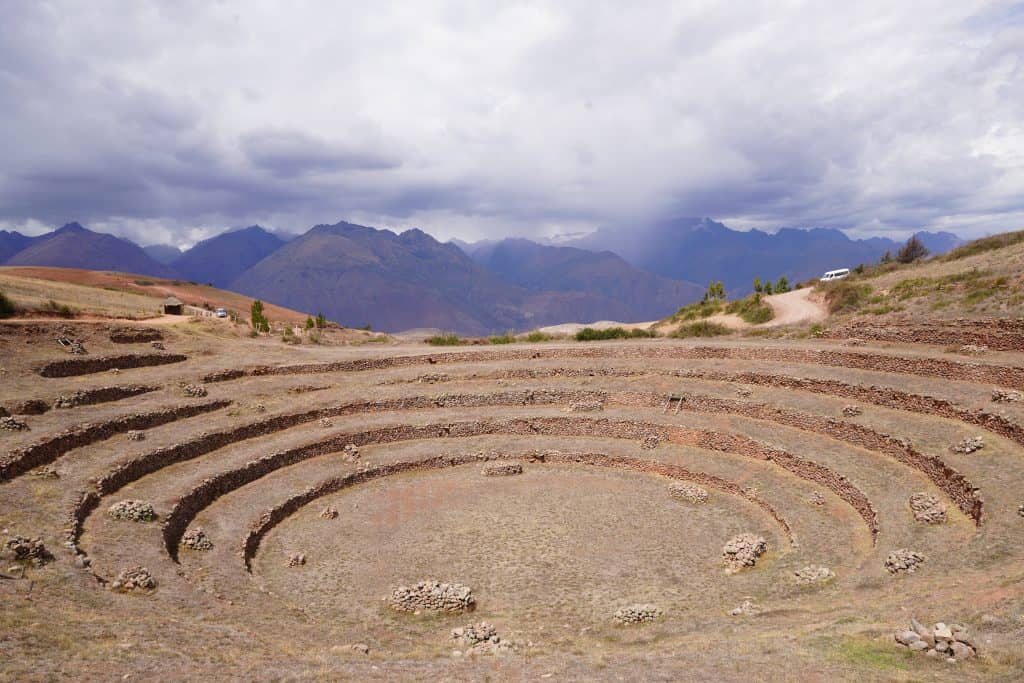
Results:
x,y
171,121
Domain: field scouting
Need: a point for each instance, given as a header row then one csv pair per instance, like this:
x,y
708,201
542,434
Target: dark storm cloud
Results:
x,y
171,121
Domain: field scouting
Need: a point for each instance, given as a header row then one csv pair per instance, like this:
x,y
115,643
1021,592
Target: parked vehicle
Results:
x,y
222,313
835,275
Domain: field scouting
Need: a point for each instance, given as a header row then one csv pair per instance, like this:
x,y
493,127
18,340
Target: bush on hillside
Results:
x,y
446,339
752,309
7,308
701,328
843,295
984,244
913,250
538,336
590,334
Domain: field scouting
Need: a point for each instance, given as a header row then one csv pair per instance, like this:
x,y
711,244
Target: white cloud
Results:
x,y
173,120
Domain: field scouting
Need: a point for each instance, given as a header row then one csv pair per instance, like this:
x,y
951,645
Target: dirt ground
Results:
x,y
589,527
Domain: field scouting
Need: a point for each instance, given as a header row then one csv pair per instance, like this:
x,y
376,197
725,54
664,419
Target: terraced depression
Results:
x,y
235,507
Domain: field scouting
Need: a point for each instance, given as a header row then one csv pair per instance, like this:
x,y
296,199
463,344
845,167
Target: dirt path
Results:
x,y
798,306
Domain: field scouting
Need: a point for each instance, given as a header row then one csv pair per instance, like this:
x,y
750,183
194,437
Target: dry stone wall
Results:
x,y
71,367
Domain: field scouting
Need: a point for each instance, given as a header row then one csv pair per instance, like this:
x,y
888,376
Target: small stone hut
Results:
x,y
173,306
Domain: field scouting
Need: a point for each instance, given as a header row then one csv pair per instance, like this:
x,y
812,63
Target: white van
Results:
x,y
835,275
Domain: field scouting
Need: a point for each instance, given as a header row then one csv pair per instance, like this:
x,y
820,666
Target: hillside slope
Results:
x,y
222,259
72,246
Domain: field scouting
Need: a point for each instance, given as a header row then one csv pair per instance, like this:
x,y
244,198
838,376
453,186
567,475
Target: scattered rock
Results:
x,y
854,341
502,469
852,411
196,539
481,639
968,446
903,561
650,442
136,435
350,452
296,559
259,408
742,551
927,508
746,608
324,422
1003,396
134,578
586,407
329,513
134,510
952,642
70,400
637,614
158,345
813,573
45,472
689,493
433,595
816,498
432,378
12,424
745,392
973,349
31,550
361,648
194,390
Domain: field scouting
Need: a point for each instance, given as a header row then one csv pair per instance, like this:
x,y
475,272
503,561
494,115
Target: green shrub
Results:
x,y
507,338
60,310
538,336
260,323
843,295
752,309
446,339
590,334
701,309
7,307
702,328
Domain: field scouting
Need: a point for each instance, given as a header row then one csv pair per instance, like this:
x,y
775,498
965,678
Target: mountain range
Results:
x,y
360,275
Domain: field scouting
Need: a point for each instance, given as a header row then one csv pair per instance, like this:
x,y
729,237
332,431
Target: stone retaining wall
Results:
x,y
70,367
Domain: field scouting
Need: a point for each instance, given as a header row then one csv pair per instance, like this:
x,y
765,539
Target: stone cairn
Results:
x,y
903,561
133,578
329,513
968,446
688,493
31,550
816,498
432,595
502,469
350,453
1003,396
133,510
852,411
12,424
158,345
747,607
296,559
586,407
951,642
194,390
136,435
196,539
637,614
481,639
324,422
742,551
812,574
927,508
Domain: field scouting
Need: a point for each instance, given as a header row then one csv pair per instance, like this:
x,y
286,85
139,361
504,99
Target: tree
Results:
x,y
913,250
758,287
716,292
310,323
259,321
7,309
768,288
886,257
782,286
321,321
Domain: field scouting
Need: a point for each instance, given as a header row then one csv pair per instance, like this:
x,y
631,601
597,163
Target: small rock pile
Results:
x,y
689,493
432,378
650,442
974,349
432,595
350,452
813,573
903,561
854,341
158,345
134,510
586,407
852,411
743,391
816,498
968,446
259,408
70,400
136,435
45,472
324,422
481,639
194,390
637,614
1020,509
296,559
1002,396
134,578
12,424
951,642
329,513
196,539
746,608
742,551
28,550
927,508
502,469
